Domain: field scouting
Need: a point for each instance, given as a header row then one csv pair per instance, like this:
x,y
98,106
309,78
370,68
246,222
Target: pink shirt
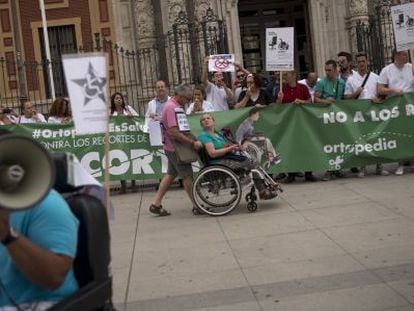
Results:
x,y
169,120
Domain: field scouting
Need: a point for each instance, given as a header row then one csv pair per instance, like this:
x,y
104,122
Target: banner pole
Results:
x,y
106,144
280,81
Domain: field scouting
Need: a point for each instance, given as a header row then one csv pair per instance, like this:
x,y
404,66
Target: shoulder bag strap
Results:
x,y
365,81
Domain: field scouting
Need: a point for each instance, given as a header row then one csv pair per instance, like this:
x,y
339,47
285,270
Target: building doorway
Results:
x,y
257,15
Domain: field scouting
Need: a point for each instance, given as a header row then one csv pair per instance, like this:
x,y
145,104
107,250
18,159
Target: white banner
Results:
x,y
221,62
403,23
280,49
86,80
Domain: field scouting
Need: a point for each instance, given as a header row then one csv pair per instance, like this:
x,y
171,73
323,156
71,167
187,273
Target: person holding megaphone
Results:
x,y
38,232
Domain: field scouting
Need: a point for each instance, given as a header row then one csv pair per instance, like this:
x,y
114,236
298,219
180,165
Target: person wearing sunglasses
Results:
x,y
254,94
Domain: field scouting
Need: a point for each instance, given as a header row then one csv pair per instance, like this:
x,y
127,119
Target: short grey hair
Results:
x,y
183,89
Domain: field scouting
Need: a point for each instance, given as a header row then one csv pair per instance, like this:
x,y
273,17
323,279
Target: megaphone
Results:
x,y
27,172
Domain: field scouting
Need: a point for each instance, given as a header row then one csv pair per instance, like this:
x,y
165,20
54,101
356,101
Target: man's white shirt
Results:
x,y
394,77
355,81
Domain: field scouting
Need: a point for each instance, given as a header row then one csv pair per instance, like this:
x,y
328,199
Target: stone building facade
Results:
x,y
327,26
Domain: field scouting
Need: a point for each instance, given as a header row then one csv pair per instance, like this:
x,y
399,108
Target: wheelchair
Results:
x,y
218,189
92,264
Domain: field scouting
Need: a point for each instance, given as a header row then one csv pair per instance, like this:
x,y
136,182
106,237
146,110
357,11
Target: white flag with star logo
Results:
x,y
86,80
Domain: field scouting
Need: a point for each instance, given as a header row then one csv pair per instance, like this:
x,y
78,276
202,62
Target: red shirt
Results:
x,y
298,92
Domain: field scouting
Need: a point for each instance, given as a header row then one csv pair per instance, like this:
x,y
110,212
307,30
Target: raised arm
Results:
x,y
204,72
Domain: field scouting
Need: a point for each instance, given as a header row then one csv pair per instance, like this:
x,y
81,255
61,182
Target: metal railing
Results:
x,y
179,53
376,37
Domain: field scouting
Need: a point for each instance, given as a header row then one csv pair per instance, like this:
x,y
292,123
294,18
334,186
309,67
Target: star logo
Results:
x,y
92,86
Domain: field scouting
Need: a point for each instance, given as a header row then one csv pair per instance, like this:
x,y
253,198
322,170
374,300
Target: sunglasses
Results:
x,y
240,76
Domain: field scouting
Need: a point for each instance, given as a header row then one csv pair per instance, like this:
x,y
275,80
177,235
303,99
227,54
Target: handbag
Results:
x,y
185,152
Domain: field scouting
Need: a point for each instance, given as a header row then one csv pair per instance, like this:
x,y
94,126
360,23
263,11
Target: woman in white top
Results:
x,y
119,108
199,105
59,112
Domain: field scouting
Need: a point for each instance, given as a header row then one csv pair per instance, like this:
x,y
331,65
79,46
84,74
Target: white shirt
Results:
x,y
311,89
156,107
41,118
356,80
127,111
207,107
217,97
394,77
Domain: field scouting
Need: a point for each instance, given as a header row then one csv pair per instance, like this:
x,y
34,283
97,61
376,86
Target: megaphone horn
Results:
x,y
26,172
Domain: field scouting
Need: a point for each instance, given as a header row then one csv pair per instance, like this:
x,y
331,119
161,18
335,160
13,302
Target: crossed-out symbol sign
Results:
x,y
221,63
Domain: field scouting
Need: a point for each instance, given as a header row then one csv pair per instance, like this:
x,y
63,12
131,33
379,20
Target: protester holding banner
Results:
x,y
157,104
217,92
175,126
310,83
362,84
59,112
345,65
330,88
119,108
30,115
199,104
293,92
296,93
254,95
396,79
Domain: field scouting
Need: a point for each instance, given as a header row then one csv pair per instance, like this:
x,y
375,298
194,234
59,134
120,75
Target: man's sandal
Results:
x,y
158,210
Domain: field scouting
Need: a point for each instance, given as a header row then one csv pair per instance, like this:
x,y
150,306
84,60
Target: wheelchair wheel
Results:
x,y
254,151
216,190
252,206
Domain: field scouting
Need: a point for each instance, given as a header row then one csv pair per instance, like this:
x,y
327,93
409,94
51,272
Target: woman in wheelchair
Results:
x,y
219,151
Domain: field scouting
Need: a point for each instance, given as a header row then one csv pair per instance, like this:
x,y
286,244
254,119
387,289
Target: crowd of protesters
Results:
x,y
342,80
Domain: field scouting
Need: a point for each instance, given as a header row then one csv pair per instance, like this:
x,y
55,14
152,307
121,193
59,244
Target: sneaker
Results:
x,y
327,176
400,170
355,170
362,173
310,177
276,159
289,179
280,176
339,173
380,171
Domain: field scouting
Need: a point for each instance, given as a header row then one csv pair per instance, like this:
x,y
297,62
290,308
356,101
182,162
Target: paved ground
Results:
x,y
347,244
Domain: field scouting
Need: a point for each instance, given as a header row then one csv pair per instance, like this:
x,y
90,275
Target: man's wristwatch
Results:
x,y
11,236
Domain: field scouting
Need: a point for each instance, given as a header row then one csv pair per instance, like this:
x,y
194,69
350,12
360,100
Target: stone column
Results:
x,y
358,13
233,28
146,55
328,31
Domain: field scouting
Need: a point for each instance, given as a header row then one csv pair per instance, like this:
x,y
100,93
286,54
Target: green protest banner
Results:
x,y
346,134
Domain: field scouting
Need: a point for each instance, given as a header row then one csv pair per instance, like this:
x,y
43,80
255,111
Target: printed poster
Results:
x,y
280,49
403,23
86,80
221,62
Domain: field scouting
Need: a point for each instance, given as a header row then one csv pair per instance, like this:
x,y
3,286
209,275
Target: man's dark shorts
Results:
x,y
175,167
